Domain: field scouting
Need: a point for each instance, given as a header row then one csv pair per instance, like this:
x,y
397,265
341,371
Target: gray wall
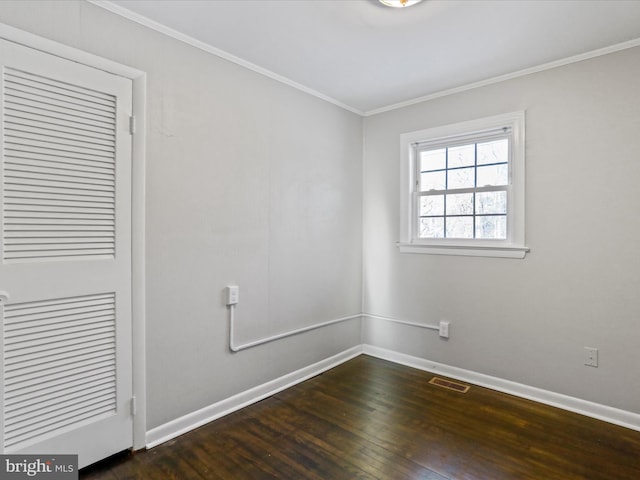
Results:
x,y
255,183
249,182
527,320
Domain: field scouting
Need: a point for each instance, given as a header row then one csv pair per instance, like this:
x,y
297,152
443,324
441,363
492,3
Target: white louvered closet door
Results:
x,y
65,245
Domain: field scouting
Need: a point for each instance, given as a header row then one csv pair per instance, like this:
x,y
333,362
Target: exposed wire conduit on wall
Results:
x,y
403,322
236,348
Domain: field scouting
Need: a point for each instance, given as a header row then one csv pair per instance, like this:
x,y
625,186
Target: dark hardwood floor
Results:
x,y
372,419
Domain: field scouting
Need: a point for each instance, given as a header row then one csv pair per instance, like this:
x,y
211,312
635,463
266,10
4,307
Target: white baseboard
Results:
x,y
191,421
590,409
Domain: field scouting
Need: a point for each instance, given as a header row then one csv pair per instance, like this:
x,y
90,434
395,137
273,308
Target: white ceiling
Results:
x,y
367,57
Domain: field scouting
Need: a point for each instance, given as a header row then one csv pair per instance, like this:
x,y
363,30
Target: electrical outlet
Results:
x,y
591,356
233,294
444,329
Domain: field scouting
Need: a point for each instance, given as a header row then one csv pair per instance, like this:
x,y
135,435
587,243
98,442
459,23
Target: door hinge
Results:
x,y
133,406
132,124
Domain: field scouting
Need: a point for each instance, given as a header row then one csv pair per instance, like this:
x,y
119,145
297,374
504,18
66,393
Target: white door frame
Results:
x,y
138,313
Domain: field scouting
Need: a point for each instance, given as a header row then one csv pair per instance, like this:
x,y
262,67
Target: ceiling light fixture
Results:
x,y
399,3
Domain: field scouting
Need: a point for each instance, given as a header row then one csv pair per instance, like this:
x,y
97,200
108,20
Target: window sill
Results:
x,y
464,250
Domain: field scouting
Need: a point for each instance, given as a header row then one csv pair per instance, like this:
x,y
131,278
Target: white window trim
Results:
x,y
514,245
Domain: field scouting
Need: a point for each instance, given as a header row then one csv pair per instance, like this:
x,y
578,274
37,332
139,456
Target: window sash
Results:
x,y
474,215
503,133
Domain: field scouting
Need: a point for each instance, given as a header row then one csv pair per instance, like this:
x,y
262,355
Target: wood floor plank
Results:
x,y
349,450
373,419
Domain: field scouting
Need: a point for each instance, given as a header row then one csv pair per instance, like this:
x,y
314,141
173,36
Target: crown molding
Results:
x,y
509,76
152,24
142,20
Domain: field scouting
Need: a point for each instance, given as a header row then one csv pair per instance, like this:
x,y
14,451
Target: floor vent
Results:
x,y
448,384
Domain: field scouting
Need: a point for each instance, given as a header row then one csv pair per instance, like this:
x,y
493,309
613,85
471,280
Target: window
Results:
x,y
463,188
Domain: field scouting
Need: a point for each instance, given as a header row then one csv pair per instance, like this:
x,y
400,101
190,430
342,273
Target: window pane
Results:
x,y
462,156
493,175
491,202
432,181
433,160
432,227
460,204
461,178
432,205
493,226
496,151
459,227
